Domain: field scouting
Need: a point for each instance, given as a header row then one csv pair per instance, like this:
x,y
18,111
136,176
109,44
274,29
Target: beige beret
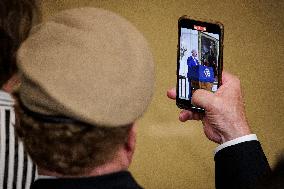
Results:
x,y
88,64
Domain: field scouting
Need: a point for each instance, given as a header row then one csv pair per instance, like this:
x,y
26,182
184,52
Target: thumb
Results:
x,y
203,99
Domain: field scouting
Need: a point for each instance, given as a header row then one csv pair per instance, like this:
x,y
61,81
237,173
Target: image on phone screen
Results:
x,y
198,61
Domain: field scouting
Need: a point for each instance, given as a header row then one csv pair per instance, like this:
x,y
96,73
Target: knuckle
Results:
x,y
216,104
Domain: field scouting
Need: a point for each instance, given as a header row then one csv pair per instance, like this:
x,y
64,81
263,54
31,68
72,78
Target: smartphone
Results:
x,y
199,59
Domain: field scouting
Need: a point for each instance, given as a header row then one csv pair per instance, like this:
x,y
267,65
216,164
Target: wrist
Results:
x,y
236,131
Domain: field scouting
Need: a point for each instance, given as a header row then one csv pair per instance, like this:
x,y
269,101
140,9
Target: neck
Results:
x,y
119,163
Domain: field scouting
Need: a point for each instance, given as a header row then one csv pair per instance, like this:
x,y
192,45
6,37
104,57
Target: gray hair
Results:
x,y
193,50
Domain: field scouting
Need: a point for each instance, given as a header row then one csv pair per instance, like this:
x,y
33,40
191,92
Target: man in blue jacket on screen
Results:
x,y
192,60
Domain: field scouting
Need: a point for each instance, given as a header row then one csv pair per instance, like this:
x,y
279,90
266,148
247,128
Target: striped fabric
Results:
x,y
16,168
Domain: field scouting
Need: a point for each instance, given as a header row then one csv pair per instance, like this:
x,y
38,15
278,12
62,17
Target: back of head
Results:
x,y
87,75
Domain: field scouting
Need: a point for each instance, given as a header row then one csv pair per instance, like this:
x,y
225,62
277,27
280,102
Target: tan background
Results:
x,y
171,154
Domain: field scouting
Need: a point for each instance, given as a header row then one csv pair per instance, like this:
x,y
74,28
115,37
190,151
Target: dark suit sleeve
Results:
x,y
240,166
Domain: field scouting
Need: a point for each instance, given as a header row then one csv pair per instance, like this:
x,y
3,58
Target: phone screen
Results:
x,y
199,59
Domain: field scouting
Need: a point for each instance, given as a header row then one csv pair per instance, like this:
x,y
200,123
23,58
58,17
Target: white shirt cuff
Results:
x,y
235,141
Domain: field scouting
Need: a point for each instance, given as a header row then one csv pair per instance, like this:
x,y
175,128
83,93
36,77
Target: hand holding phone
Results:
x,y
199,59
224,117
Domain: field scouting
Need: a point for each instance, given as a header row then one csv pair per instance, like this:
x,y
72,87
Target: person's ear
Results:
x,y
12,84
131,142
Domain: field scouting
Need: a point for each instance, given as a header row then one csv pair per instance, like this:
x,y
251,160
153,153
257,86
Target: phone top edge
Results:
x,y
188,22
196,19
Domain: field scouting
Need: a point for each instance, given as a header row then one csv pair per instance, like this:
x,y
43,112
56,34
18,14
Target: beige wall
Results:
x,y
171,154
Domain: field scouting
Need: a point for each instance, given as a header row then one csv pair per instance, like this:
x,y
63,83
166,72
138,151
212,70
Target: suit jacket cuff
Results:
x,y
235,141
240,166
